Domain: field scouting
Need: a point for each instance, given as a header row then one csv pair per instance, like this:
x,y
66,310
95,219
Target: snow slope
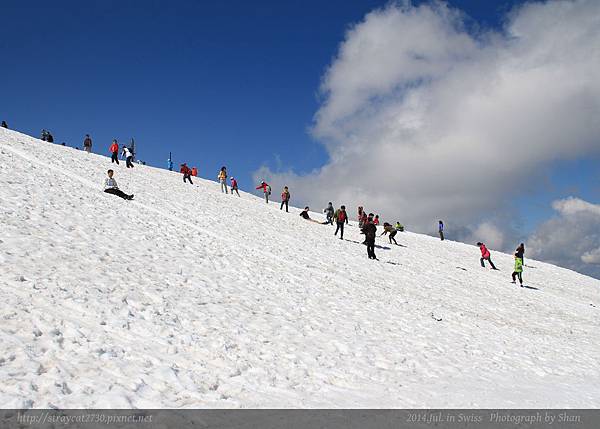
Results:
x,y
187,297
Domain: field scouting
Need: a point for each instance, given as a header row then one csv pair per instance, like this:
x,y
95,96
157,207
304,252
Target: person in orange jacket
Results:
x,y
194,172
114,150
185,170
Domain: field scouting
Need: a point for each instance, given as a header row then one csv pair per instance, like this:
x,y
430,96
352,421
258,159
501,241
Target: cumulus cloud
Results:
x,y
424,120
571,238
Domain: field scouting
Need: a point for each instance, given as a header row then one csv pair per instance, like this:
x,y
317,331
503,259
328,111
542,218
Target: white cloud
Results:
x,y
423,120
572,238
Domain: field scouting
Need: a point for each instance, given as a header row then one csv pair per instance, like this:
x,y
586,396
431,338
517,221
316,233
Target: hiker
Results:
x,y
341,217
4,124
376,220
304,213
266,190
441,229
111,187
222,177
285,199
399,227
234,186
370,231
485,256
87,143
185,170
194,172
329,213
128,156
114,150
49,137
519,262
361,212
392,231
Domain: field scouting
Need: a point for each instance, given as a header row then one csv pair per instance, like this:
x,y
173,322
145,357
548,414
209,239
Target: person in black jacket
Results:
x,y
370,231
4,124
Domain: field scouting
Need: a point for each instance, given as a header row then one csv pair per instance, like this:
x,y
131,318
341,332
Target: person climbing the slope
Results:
x,y
485,256
341,218
370,231
329,213
266,190
399,227
441,230
187,173
126,153
234,186
111,187
222,176
388,228
285,199
87,143
519,262
114,150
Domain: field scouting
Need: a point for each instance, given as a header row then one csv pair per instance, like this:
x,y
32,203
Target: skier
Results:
x,y
329,213
399,227
376,220
266,190
128,157
441,229
393,231
341,217
222,177
519,262
285,199
194,172
111,187
185,170
4,124
87,143
485,256
234,186
370,231
114,150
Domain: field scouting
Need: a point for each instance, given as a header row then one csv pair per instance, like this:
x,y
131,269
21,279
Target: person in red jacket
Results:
x,y
266,190
376,220
234,186
185,170
485,256
114,150
285,199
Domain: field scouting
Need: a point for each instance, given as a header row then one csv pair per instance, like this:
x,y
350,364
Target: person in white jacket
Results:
x,y
111,187
128,157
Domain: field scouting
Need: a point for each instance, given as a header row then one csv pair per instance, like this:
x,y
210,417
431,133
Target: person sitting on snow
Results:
x,y
111,187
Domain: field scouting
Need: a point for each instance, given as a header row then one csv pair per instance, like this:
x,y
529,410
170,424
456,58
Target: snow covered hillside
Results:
x,y
186,297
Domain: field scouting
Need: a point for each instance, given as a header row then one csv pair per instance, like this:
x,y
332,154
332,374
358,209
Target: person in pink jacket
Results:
x,y
485,256
266,190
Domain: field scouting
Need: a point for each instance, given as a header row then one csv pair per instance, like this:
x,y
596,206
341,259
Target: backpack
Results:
x,y
341,216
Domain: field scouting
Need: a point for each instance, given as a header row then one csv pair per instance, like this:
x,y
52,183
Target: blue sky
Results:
x,y
217,83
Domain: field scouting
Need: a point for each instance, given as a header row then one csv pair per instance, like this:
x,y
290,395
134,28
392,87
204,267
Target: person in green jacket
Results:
x,y
399,227
388,228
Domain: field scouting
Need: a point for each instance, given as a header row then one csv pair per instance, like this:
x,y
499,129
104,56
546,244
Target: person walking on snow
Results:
x,y
441,230
285,199
485,256
187,173
49,137
114,150
266,190
4,124
222,176
111,187
341,218
128,157
519,262
393,231
87,143
329,213
361,213
234,186
370,231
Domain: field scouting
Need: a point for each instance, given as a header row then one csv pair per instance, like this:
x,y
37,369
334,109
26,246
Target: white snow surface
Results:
x,y
187,297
